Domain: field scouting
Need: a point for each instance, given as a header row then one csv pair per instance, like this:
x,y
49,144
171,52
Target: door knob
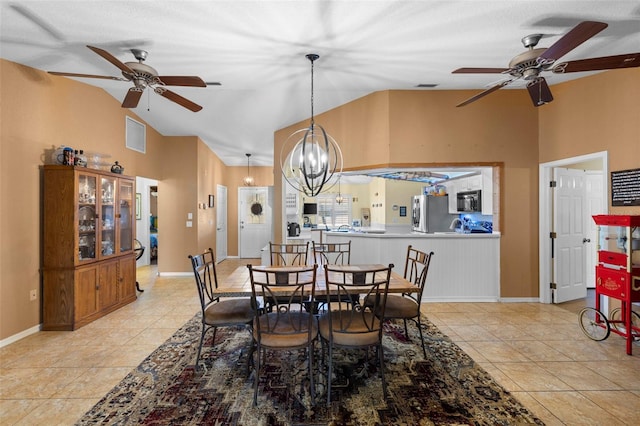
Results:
x,y
586,240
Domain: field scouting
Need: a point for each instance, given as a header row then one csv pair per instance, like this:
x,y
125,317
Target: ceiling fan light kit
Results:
x,y
310,157
143,76
530,64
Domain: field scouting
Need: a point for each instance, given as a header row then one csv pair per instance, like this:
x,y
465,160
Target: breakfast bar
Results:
x,y
465,267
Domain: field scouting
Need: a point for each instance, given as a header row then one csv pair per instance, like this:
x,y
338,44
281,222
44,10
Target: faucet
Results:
x,y
455,222
324,221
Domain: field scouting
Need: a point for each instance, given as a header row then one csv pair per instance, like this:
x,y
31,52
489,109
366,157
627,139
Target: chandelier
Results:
x,y
314,158
248,179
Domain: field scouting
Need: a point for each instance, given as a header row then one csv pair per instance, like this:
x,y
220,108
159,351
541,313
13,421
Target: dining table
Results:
x,y
238,284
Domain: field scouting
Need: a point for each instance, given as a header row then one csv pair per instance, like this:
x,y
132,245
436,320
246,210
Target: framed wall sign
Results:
x,y
625,188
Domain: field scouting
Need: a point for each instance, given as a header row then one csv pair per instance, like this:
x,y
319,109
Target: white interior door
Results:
x,y
221,223
255,220
569,260
594,206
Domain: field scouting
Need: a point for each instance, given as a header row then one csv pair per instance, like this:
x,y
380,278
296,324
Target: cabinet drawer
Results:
x,y
611,258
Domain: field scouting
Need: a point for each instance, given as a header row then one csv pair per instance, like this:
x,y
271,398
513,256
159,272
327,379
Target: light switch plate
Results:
x,y
189,224
189,216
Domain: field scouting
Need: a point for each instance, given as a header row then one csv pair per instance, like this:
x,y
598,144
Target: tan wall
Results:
x,y
178,196
40,112
597,113
425,129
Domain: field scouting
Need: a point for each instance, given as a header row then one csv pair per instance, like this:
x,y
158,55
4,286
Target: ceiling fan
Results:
x,y
530,64
144,76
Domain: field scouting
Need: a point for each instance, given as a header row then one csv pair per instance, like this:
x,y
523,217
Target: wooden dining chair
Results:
x,y
332,254
216,311
289,326
407,305
289,254
354,326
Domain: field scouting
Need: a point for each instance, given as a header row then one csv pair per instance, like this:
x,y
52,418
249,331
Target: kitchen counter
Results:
x,y
383,234
464,268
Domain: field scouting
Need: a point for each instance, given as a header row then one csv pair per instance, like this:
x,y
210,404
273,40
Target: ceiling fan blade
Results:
x,y
72,74
480,71
574,38
132,98
182,81
629,60
485,93
539,92
109,57
172,96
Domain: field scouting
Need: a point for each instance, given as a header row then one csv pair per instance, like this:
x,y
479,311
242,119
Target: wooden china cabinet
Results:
x,y
89,266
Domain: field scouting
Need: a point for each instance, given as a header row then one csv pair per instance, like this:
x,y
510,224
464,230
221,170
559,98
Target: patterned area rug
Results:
x,y
447,388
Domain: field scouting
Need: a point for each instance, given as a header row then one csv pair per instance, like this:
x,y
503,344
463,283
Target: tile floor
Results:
x,y
536,351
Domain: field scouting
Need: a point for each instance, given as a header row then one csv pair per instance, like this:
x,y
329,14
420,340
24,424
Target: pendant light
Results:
x,y
339,197
248,179
314,158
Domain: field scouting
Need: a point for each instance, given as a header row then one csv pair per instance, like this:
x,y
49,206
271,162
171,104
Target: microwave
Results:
x,y
469,201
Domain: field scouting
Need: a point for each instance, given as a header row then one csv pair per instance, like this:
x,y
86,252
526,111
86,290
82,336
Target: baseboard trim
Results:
x,y
519,300
175,274
18,336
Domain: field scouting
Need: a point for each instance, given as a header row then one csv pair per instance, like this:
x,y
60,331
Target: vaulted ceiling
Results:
x,y
256,51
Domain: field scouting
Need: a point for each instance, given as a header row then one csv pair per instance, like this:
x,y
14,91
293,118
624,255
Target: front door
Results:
x,y
255,220
569,259
221,224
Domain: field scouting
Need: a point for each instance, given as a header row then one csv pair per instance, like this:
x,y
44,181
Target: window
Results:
x,y
331,213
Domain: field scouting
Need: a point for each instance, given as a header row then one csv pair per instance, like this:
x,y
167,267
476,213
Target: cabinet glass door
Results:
x,y
125,215
86,217
107,216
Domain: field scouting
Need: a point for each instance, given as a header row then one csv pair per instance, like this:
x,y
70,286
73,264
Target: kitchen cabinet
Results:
x,y
471,183
88,257
487,191
483,182
453,200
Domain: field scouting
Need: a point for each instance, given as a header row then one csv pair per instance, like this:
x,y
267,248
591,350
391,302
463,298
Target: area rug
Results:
x,y
446,388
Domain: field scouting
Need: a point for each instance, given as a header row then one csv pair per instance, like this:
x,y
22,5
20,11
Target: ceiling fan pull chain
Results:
x,y
148,101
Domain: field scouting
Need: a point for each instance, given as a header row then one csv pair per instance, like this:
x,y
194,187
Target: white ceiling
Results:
x,y
256,50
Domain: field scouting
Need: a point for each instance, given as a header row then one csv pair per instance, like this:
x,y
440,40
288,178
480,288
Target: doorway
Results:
x,y
143,216
221,224
557,263
255,220
153,225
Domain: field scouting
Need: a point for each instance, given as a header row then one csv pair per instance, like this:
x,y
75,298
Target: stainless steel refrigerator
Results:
x,y
430,213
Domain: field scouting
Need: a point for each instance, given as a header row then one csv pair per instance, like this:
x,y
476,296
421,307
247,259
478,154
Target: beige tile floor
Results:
x,y
535,351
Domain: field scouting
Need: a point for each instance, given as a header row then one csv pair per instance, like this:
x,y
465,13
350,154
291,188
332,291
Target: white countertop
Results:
x,y
411,235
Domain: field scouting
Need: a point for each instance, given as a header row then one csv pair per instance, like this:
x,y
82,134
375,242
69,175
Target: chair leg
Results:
x,y
256,377
406,331
312,388
424,351
330,351
384,383
204,330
